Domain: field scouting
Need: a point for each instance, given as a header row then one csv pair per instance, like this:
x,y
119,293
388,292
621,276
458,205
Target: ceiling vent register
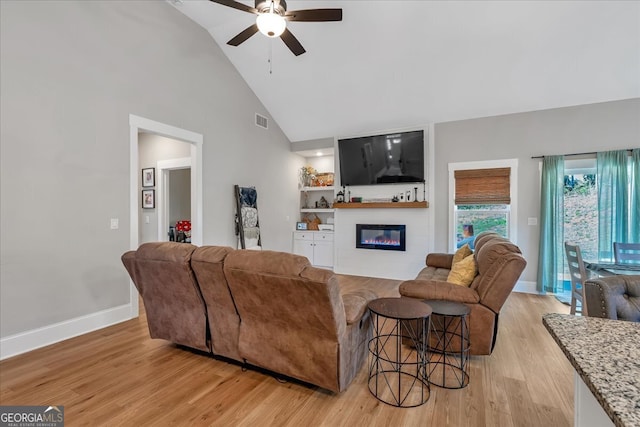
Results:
x,y
262,121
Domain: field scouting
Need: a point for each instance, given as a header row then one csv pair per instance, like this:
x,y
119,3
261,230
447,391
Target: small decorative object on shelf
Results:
x,y
381,205
324,179
312,221
323,204
307,176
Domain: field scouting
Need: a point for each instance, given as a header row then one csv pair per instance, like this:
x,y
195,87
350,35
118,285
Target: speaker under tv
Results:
x,y
382,159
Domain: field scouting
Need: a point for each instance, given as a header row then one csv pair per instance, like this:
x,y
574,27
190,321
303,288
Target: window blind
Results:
x,y
483,186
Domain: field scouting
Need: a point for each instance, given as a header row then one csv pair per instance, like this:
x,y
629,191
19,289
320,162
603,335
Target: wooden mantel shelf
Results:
x,y
392,205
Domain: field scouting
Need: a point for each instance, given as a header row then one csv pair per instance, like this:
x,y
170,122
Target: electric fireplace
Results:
x,y
381,236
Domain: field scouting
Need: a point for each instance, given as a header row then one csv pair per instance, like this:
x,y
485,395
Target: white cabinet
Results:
x,y
315,245
303,244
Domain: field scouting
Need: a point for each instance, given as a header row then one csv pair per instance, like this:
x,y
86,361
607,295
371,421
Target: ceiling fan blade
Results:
x,y
243,36
236,5
314,15
292,42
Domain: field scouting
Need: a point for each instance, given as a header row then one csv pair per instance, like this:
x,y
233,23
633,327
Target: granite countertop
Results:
x,y
606,355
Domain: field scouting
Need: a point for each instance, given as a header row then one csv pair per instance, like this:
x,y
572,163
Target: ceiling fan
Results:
x,y
272,20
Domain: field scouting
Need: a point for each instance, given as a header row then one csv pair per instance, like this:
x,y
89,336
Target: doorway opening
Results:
x,y
174,196
136,126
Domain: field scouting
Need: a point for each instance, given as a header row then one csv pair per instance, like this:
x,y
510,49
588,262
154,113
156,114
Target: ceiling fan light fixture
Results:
x,y
272,21
271,24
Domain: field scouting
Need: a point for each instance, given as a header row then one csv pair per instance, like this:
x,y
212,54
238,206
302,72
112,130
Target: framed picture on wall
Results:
x,y
149,177
148,199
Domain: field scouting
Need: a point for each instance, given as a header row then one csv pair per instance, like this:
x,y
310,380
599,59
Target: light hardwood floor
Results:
x,y
119,376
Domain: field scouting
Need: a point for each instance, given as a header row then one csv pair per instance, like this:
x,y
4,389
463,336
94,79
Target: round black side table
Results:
x,y
398,372
449,345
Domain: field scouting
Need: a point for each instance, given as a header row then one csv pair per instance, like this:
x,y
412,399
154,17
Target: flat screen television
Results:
x,y
382,159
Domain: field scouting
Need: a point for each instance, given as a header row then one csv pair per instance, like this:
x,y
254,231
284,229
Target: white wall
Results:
x,y
71,73
375,262
321,163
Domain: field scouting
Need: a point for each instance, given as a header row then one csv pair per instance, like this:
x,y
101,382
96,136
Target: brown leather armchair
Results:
x,y
499,263
614,297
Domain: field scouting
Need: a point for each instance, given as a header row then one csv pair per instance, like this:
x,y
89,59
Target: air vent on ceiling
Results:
x,y
262,121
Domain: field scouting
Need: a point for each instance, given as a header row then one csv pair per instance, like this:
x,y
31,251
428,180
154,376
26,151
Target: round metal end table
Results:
x,y
398,360
449,345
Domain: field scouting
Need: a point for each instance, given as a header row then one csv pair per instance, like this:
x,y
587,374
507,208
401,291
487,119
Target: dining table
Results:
x,y
608,268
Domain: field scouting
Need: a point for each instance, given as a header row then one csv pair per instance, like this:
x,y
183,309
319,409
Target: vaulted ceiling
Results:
x,y
397,64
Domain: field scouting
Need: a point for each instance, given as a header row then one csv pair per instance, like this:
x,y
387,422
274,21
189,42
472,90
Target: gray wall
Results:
x,y
151,149
594,127
180,191
71,72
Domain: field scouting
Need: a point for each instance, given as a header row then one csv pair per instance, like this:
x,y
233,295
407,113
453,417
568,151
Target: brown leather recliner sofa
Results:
x,y
614,297
265,308
294,319
176,313
499,264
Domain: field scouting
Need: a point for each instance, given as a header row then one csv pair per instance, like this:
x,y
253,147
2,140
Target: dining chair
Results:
x,y
578,276
626,252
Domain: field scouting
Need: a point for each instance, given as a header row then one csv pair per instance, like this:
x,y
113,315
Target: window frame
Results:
x,y
484,164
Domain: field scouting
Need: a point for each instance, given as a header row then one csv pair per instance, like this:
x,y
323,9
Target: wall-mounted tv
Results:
x,y
382,159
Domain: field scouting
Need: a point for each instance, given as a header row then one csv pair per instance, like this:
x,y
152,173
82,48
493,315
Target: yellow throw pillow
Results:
x,y
461,254
463,272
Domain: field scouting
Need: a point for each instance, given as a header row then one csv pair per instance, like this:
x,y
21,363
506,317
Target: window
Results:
x,y
471,220
482,198
581,207
580,224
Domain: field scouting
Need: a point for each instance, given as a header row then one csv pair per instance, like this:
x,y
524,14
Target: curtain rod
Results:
x,y
576,154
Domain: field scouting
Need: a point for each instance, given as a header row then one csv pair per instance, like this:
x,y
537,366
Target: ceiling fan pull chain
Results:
x,y
270,60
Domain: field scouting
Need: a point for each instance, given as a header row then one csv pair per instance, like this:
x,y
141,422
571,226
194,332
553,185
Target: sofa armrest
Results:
x,y
129,261
439,260
355,304
438,290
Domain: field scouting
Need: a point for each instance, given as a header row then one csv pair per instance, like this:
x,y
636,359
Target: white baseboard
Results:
x,y
527,288
51,334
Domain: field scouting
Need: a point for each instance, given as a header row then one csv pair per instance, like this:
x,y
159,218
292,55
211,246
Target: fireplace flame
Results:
x,y
381,242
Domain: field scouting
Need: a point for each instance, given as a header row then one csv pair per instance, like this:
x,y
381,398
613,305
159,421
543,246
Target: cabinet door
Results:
x,y
323,253
304,248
